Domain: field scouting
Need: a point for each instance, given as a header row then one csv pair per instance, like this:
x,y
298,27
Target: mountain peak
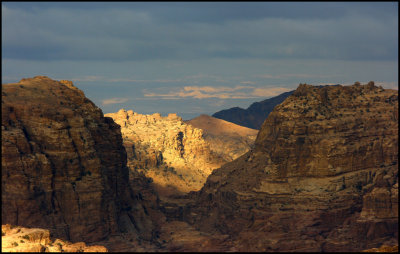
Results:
x,y
254,115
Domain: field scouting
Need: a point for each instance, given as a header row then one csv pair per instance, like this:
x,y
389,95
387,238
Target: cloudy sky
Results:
x,y
198,57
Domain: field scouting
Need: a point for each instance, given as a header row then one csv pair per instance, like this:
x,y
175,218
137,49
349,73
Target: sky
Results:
x,y
195,58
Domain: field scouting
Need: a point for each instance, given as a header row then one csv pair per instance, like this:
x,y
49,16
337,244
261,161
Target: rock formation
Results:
x,y
20,239
384,248
226,139
254,115
171,152
64,166
323,176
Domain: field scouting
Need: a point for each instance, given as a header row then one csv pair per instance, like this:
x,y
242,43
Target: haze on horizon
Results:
x,y
192,58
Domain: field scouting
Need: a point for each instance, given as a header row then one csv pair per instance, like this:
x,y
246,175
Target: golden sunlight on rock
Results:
x,y
171,152
21,239
321,175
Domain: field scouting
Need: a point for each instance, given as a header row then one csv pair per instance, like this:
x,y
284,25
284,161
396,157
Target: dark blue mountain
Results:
x,y
254,116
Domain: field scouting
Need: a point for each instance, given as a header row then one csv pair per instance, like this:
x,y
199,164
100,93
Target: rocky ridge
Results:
x,y
171,152
323,176
254,115
20,239
64,166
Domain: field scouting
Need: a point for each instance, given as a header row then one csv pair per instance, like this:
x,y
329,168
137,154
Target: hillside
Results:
x,y
226,139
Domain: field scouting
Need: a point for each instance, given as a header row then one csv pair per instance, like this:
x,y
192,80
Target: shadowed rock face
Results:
x,y
64,166
323,176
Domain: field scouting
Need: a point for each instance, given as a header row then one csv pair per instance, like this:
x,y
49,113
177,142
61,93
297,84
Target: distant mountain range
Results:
x,y
254,116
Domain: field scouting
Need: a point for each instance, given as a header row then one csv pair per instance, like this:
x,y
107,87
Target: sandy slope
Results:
x,y
215,126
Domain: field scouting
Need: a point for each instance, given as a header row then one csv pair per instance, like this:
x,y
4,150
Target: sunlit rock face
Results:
x,y
64,165
228,140
20,239
323,176
171,152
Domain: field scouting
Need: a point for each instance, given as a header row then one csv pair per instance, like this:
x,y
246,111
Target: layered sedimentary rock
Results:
x,y
64,166
172,153
226,139
323,176
254,116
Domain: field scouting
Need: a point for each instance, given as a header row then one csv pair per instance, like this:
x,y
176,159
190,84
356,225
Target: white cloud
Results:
x,y
221,92
144,80
292,75
268,92
216,89
114,101
248,82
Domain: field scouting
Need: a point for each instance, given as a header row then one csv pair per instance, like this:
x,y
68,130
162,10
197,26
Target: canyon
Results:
x,y
178,156
321,174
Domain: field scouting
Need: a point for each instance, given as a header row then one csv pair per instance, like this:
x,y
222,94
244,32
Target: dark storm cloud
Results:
x,y
150,31
223,11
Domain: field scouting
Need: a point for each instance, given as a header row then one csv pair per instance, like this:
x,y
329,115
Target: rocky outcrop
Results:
x,y
20,239
384,248
171,152
323,176
64,166
228,140
254,115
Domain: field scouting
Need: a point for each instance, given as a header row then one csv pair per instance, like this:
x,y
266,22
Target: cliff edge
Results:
x,y
64,166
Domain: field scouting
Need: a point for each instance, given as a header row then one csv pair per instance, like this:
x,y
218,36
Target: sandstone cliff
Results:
x,y
226,139
323,176
171,152
64,166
